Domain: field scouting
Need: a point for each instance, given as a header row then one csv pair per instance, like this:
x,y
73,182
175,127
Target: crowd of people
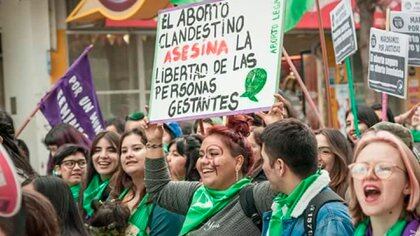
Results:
x,y
267,173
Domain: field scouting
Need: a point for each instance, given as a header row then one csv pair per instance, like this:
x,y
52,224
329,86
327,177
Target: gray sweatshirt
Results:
x,y
175,196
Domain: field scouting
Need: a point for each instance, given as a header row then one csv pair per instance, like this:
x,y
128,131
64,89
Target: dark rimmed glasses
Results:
x,y
72,163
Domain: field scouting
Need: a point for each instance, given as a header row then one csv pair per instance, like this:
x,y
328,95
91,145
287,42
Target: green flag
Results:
x,y
295,9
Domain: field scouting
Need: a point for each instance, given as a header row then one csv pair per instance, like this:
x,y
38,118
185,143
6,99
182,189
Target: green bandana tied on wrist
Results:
x,y
75,190
396,229
93,192
139,219
283,205
416,135
207,202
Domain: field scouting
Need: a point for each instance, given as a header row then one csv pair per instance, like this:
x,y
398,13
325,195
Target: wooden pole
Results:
x,y
303,87
384,95
23,126
325,62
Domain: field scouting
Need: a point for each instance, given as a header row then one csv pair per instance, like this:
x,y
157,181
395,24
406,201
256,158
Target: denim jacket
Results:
x,y
333,218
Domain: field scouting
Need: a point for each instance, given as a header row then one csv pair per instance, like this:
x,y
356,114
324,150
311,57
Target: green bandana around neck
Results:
x,y
396,229
207,202
139,219
75,190
283,205
93,192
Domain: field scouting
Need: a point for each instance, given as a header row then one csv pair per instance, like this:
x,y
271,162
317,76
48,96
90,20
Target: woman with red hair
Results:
x,y
212,206
384,188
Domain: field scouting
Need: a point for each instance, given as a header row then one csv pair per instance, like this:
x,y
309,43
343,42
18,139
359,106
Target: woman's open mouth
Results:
x,y
372,193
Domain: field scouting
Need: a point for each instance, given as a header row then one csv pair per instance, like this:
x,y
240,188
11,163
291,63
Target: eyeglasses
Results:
x,y
71,163
382,170
324,151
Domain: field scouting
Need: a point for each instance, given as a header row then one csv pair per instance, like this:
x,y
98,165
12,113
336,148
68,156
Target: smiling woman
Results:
x,y
70,165
212,206
102,165
129,191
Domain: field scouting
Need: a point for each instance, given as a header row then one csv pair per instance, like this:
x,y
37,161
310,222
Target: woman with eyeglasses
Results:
x,y
384,188
70,165
334,155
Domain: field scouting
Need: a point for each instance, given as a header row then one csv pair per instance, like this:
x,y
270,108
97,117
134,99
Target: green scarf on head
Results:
x,y
396,229
75,190
93,192
283,205
139,219
207,202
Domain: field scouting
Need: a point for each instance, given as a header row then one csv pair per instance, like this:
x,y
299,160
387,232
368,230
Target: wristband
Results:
x,y
154,145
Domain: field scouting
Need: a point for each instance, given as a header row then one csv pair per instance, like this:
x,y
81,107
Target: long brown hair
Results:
x,y
342,151
122,180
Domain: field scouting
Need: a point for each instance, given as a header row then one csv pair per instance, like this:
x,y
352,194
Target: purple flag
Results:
x,y
73,100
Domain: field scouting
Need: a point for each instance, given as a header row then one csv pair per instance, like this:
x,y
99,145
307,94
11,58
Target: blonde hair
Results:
x,y
409,161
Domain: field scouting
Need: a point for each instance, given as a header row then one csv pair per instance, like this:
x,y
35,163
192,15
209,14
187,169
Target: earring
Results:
x,y
237,175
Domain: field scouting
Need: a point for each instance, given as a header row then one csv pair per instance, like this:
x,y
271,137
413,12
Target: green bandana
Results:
x,y
283,205
416,135
139,219
396,229
75,190
93,192
207,202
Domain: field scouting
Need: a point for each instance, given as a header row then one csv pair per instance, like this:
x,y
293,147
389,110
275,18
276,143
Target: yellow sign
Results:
x,y
91,10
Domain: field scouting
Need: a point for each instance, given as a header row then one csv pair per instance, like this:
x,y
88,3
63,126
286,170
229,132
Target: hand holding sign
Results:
x,y
276,112
154,133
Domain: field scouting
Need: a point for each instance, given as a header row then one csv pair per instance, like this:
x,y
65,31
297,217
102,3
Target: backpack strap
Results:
x,y
246,199
324,197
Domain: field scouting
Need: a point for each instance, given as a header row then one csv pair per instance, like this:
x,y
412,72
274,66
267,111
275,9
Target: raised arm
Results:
x,y
171,195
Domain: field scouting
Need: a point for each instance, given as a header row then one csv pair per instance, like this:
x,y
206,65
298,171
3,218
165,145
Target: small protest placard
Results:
x,y
343,31
410,5
388,62
216,58
408,23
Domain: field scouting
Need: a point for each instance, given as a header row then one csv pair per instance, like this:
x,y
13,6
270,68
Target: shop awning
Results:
x,y
91,10
308,22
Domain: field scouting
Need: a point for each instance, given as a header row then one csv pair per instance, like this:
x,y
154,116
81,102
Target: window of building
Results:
x,y
121,66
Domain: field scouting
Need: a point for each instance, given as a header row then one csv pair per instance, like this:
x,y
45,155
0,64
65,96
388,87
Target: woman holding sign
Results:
x,y
212,207
102,165
384,188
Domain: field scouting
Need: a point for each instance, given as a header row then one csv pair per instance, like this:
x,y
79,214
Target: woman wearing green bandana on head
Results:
x,y
212,206
146,218
102,165
384,188
70,165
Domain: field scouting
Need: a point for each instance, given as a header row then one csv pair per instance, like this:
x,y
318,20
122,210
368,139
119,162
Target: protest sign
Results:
x,y
73,100
410,5
408,23
343,31
388,62
216,58
10,192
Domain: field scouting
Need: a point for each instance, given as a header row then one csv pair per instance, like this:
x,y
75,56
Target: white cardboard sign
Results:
x,y
216,58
